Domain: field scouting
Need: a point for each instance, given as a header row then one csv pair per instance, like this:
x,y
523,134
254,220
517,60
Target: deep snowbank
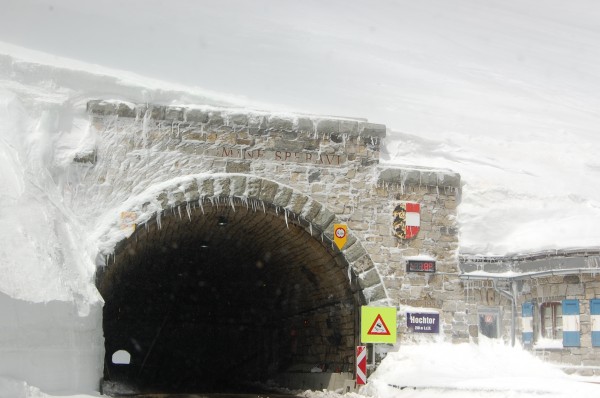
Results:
x,y
51,345
489,369
505,93
528,179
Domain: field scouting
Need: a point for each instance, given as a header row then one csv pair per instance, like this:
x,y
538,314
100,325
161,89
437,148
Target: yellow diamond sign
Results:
x,y
378,324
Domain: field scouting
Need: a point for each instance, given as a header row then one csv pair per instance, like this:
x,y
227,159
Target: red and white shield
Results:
x,y
407,220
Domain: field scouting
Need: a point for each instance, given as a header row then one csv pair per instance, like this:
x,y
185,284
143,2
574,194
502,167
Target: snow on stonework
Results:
x,y
506,94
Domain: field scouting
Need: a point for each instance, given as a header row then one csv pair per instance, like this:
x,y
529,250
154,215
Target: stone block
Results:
x,y
268,191
449,180
369,278
328,126
304,125
207,188
280,144
362,264
222,186
195,115
575,290
375,293
311,211
372,130
191,191
354,252
323,219
238,119
283,197
215,120
156,112
297,203
253,188
279,123
173,113
88,157
349,127
237,167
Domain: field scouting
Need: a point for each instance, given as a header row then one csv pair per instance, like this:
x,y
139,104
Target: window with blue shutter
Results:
x,y
527,323
570,318
595,319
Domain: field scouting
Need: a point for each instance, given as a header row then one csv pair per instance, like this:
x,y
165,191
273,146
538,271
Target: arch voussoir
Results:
x,y
319,219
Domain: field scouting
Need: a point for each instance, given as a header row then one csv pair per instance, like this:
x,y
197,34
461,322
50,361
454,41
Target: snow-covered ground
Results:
x,y
505,93
430,370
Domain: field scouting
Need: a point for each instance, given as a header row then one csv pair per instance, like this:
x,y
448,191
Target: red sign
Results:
x,y
361,365
420,266
379,327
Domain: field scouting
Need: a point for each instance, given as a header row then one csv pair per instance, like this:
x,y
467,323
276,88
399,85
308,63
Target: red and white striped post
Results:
x,y
361,365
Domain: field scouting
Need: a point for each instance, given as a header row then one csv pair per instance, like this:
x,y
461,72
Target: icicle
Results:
x,y
188,209
201,205
231,203
145,122
349,273
158,216
264,208
286,219
310,227
179,211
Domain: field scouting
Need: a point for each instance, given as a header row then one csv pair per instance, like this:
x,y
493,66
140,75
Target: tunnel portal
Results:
x,y
208,295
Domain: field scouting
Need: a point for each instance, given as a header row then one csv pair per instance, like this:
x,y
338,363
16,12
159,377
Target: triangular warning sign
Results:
x,y
379,328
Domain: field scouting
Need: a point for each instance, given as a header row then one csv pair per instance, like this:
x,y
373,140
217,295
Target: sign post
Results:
x,y
377,325
361,365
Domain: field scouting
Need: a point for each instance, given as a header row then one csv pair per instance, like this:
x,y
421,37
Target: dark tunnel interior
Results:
x,y
207,298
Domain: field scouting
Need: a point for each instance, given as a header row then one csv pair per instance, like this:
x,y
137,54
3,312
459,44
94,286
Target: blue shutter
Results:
x,y
595,318
527,323
570,317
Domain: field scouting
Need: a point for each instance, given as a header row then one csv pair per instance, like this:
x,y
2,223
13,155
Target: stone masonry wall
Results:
x,y
334,162
584,360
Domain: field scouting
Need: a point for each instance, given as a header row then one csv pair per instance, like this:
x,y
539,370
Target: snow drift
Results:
x,y
506,95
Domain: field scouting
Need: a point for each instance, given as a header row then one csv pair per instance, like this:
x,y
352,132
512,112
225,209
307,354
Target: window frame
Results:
x,y
556,316
494,311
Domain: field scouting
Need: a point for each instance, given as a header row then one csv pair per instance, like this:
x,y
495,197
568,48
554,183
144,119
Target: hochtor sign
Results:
x,y
423,323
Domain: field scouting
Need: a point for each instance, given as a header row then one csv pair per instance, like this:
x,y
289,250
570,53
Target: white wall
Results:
x,y
50,345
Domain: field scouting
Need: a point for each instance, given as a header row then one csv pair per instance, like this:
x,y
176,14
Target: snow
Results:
x,y
505,93
489,369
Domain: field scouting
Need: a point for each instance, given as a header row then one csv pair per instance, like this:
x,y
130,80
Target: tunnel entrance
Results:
x,y
209,296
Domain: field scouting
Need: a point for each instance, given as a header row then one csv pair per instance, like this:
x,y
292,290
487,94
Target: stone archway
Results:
x,y
230,277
